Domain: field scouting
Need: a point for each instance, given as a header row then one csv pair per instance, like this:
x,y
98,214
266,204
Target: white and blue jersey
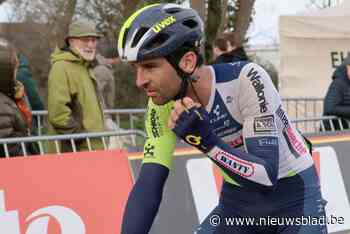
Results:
x,y
245,110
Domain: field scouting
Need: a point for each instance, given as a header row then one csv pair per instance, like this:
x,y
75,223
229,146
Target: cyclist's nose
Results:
x,y
141,80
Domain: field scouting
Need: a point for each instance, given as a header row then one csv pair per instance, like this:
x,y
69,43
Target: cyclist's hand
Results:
x,y
190,122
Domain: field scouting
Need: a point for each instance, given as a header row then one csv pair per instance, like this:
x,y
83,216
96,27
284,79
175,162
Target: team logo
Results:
x,y
267,141
259,87
295,144
163,24
264,124
216,111
149,151
155,124
193,140
238,166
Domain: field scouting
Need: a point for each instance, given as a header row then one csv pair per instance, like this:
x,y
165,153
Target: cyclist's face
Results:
x,y
158,78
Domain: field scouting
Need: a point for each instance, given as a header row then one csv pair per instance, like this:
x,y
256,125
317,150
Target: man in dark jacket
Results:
x,y
337,100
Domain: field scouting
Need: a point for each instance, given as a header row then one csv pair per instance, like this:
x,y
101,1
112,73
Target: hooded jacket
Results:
x,y
337,100
74,104
24,75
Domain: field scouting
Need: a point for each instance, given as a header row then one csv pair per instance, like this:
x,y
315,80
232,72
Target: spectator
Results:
x,y
105,80
104,74
228,50
24,75
74,104
15,115
220,47
337,100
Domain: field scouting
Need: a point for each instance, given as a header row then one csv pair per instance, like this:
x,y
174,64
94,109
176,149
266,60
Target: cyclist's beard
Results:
x,y
86,54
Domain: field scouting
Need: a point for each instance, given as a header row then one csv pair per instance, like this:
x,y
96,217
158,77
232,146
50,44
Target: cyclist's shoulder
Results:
x,y
226,72
159,111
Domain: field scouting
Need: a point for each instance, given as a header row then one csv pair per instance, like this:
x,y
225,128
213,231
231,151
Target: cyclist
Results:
x,y
231,112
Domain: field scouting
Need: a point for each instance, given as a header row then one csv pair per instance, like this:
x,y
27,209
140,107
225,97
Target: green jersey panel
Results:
x,y
161,140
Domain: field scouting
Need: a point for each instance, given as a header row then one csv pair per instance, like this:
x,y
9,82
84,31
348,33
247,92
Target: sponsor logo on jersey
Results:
x,y
238,142
220,118
218,115
282,115
268,141
155,124
295,144
229,99
149,151
193,140
259,87
232,163
264,124
163,24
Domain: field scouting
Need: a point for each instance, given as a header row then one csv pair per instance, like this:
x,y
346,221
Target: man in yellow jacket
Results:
x,y
74,104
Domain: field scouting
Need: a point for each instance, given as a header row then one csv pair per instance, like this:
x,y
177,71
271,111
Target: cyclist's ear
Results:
x,y
188,62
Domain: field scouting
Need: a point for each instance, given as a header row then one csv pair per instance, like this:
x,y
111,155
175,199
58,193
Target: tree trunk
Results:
x,y
212,25
68,13
129,7
61,22
243,15
224,17
199,6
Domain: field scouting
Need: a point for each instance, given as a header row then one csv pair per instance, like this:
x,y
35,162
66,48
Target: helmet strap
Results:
x,y
186,78
174,60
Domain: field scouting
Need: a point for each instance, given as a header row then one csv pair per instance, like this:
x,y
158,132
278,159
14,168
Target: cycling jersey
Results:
x,y
245,111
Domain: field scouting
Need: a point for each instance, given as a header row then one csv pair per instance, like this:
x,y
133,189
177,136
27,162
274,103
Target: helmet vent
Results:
x,y
159,40
173,10
139,35
190,23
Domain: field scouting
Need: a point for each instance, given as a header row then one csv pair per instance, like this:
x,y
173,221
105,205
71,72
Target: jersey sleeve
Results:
x,y
256,166
160,144
258,105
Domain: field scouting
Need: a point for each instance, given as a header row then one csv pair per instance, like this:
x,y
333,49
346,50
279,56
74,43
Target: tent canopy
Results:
x,y
311,46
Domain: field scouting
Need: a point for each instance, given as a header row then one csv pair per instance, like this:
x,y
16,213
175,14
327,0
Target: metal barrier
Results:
x,y
40,140
320,124
306,125
116,114
297,108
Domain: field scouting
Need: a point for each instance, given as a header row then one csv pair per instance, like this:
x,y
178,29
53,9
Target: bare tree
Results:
x,y
243,19
43,25
234,15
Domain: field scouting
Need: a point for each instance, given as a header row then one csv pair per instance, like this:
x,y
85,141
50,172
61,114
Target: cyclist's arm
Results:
x,y
256,97
144,199
257,167
146,195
